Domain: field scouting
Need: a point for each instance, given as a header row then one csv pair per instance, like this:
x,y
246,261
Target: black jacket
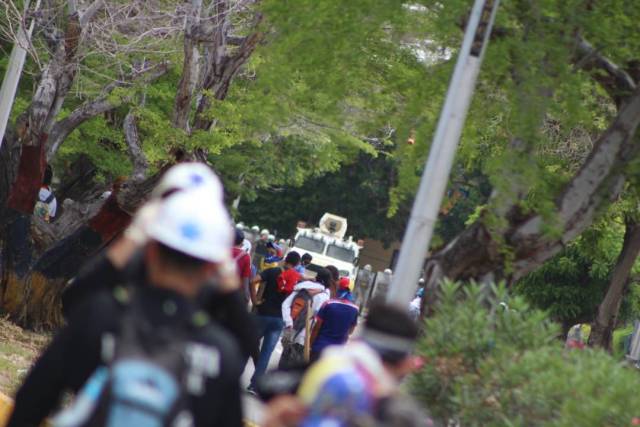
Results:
x,y
229,310
75,353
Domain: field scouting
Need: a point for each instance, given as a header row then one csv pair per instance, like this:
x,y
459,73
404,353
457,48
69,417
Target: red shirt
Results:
x,y
243,262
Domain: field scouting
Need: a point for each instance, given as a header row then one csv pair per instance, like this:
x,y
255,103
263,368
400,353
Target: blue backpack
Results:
x,y
147,378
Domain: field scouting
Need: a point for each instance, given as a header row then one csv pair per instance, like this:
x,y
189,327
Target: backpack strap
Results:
x,y
49,198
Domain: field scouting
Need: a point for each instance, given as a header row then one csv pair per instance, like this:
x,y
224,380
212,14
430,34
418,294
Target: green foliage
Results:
x,y
529,90
490,366
358,191
103,143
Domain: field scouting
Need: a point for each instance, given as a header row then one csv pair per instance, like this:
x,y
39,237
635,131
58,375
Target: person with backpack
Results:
x,y
335,320
298,310
275,285
46,205
146,354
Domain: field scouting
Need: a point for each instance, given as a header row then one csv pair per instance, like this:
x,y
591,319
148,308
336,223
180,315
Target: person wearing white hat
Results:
x,y
181,177
148,336
123,259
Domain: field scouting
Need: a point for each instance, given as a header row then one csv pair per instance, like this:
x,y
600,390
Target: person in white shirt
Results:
x,y
46,205
294,335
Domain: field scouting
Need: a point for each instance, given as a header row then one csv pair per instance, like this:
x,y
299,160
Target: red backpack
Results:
x,y
287,280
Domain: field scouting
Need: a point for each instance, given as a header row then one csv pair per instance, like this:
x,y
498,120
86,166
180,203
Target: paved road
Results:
x,y
252,407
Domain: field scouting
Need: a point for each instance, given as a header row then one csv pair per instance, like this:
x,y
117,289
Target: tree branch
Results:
x,y
140,164
616,81
189,79
90,12
62,128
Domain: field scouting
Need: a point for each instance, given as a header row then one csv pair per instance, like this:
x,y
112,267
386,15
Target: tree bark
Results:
x,y
189,79
606,319
221,67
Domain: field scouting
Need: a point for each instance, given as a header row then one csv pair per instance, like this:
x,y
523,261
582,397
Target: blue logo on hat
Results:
x,y
196,179
190,231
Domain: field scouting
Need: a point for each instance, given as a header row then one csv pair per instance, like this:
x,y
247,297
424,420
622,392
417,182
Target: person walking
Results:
x,y
307,295
269,289
128,351
243,263
335,321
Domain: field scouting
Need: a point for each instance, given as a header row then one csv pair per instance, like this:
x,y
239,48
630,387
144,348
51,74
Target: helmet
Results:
x,y
272,237
240,226
264,232
255,229
194,223
189,175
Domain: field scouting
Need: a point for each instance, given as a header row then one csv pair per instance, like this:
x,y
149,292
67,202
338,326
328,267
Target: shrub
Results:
x,y
488,365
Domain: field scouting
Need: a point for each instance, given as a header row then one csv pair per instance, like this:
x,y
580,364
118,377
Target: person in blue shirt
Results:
x,y
335,321
304,262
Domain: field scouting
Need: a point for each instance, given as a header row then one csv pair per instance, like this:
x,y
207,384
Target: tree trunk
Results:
x,y
191,63
522,245
606,319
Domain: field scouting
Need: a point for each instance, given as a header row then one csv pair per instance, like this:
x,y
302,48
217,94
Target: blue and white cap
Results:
x,y
194,223
188,176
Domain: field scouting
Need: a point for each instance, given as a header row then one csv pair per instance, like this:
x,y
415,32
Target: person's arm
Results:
x,y
252,289
317,325
354,323
44,385
286,310
245,288
98,274
245,275
66,363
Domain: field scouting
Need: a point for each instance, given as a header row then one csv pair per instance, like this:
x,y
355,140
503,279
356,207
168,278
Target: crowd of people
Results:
x,y
161,325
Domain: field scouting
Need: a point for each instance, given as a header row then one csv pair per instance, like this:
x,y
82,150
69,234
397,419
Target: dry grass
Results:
x,y
18,350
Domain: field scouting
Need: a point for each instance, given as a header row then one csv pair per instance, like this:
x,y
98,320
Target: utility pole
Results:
x,y
441,155
14,70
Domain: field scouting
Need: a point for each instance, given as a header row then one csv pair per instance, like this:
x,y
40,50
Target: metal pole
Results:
x,y
14,70
441,155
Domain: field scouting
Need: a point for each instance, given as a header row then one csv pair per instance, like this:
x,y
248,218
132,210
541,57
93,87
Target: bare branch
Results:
x,y
189,79
90,12
140,164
